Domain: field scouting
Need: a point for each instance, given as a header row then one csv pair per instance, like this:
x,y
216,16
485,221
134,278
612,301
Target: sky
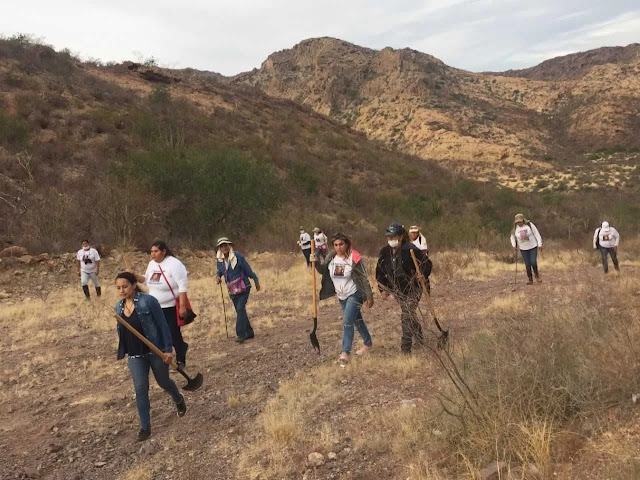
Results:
x,y
237,35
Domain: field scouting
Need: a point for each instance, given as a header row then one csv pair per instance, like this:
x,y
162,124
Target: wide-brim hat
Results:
x,y
316,229
518,218
414,229
223,240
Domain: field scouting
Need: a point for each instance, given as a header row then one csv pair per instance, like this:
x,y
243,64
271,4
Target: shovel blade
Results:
x,y
314,338
443,339
194,383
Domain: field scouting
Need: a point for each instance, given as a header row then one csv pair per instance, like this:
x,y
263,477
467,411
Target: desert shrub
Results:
x,y
211,191
305,178
14,132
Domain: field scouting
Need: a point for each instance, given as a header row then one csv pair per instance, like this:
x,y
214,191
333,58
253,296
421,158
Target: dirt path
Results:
x,y
68,412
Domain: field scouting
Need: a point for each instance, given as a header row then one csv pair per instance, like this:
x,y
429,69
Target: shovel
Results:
x,y
192,383
444,334
224,308
515,277
312,335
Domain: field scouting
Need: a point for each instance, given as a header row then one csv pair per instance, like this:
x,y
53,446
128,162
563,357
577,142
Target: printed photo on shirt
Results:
x,y
338,271
605,238
524,235
155,278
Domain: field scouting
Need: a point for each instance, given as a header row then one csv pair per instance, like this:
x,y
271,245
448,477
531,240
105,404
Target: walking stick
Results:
x,y
192,383
515,276
224,309
444,334
312,335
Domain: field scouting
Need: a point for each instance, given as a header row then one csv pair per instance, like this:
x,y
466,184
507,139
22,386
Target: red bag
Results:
x,y
190,316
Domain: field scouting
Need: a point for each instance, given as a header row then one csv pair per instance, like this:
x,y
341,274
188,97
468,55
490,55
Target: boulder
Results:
x,y
13,251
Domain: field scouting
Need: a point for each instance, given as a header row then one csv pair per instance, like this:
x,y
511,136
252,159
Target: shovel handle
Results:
x,y
423,285
313,275
127,264
143,339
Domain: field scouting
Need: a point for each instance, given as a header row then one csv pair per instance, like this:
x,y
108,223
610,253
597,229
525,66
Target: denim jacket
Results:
x,y
231,274
154,324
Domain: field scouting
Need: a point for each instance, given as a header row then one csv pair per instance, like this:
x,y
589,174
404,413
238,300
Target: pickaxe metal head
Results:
x,y
314,337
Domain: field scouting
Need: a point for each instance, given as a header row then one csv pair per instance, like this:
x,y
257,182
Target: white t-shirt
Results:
x,y
421,242
320,239
609,238
305,241
88,255
340,270
526,237
175,272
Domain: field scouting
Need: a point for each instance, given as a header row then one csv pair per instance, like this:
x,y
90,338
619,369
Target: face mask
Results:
x,y
394,243
86,248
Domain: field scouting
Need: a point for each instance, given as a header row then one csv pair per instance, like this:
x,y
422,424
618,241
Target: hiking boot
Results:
x,y
344,358
143,435
364,349
538,279
530,282
181,408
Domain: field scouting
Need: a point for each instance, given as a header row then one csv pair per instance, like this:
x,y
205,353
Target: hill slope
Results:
x,y
471,121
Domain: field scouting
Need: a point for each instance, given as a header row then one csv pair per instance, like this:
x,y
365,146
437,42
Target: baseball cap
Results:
x,y
394,230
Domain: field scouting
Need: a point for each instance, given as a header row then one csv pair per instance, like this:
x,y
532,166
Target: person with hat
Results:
x,y
344,275
236,272
88,261
525,235
396,274
606,239
305,245
320,240
418,239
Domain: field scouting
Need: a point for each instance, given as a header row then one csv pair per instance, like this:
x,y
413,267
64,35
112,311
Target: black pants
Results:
x,y
176,335
614,256
411,328
307,254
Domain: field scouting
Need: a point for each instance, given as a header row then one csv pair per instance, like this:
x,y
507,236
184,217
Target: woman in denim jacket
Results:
x,y
143,312
344,275
236,272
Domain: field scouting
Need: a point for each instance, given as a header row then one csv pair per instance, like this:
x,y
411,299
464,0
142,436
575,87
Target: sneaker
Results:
x,y
344,358
530,282
364,349
181,408
538,279
240,340
143,435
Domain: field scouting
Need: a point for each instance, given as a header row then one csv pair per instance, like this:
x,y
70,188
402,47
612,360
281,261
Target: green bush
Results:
x,y
304,178
13,132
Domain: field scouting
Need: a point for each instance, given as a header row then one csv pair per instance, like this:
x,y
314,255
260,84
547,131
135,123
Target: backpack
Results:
x,y
598,238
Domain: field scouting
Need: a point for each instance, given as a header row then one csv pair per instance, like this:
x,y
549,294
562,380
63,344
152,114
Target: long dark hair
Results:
x,y
345,239
131,278
161,245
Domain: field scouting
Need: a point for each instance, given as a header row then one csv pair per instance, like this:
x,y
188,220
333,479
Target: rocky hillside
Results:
x,y
475,122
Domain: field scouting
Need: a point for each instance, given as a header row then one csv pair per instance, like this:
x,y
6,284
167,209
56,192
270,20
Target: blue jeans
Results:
x,y
139,368
352,315
614,256
530,258
243,327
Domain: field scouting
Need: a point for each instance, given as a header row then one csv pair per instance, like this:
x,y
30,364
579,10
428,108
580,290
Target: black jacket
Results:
x,y
359,274
397,272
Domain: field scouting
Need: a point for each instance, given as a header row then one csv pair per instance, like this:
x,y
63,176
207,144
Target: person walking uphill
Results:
x,y
143,312
236,272
89,268
396,274
344,275
525,236
305,245
606,239
166,277
320,240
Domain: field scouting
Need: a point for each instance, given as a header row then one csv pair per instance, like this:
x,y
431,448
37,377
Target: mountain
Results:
x,y
487,125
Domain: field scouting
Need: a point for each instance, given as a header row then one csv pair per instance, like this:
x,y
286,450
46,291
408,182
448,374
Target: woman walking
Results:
x,y
143,313
396,274
418,239
344,275
525,236
88,261
606,239
166,277
320,240
236,272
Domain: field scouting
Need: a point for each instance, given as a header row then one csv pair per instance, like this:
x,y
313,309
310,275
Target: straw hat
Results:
x,y
223,240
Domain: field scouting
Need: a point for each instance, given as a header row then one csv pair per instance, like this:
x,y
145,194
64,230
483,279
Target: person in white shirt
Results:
x,y
418,239
320,240
88,261
305,245
606,239
525,236
344,276
166,277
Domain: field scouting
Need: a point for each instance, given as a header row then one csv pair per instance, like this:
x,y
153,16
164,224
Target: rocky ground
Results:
x,y
68,409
